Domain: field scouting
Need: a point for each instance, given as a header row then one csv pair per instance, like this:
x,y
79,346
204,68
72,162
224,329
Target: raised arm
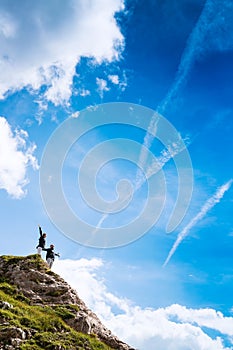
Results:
x,y
40,230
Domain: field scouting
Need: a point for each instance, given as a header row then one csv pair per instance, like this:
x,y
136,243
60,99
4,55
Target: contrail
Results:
x,y
209,204
153,168
183,69
194,47
211,17
203,37
98,226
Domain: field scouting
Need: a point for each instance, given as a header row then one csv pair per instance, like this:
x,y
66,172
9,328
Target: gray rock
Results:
x,y
5,305
16,342
82,323
9,333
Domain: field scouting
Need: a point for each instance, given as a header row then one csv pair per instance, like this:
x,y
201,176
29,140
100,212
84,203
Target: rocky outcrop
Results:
x,y
33,278
42,287
12,335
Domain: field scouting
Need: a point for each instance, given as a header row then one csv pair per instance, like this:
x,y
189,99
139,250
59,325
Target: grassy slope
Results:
x,y
46,324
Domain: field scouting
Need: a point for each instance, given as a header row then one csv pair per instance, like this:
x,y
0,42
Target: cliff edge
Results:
x,y
39,310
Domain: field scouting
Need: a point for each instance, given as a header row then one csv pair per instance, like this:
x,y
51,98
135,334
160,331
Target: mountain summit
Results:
x,y
39,310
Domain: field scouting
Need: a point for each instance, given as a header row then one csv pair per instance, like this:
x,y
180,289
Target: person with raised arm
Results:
x,y
42,241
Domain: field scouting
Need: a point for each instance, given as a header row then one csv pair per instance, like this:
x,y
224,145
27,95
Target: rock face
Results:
x,y
34,283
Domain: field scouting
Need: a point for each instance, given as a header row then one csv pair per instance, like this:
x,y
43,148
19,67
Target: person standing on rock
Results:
x,y
50,255
42,241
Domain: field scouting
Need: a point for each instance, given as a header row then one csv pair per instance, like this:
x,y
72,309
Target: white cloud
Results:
x,y
16,155
41,42
75,114
174,327
121,82
203,317
84,92
101,86
114,79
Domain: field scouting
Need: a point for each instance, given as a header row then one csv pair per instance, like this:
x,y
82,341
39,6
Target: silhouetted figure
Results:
x,y
42,241
50,255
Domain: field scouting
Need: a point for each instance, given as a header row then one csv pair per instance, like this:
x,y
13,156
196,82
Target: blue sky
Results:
x,y
170,60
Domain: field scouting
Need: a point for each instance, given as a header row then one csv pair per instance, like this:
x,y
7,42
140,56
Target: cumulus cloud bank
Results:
x,y
16,155
41,43
174,327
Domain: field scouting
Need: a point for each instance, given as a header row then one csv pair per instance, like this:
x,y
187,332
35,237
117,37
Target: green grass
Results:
x,y
65,312
12,290
47,324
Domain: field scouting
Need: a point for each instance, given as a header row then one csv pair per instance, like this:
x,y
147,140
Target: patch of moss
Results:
x,y
69,341
11,259
21,297
12,290
64,312
9,317
30,346
55,293
8,288
3,279
73,307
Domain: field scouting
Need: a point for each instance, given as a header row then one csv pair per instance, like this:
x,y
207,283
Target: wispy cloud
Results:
x,y
102,86
209,204
166,155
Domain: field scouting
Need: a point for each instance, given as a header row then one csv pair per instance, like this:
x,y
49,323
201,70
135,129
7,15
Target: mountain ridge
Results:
x,y
37,307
